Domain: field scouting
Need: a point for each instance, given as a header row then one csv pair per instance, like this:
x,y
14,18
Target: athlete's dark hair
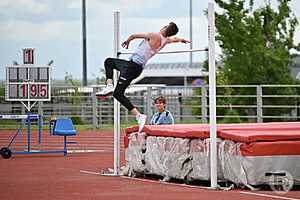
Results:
x,y
172,29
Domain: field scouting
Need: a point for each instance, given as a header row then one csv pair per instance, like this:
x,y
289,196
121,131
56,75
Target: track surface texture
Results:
x,y
76,176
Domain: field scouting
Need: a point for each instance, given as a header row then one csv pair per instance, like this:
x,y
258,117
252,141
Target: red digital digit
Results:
x,y
33,90
23,87
43,90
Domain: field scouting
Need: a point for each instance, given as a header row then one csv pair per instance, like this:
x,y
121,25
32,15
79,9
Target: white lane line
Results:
x,y
270,196
89,172
85,151
97,173
184,185
144,180
161,182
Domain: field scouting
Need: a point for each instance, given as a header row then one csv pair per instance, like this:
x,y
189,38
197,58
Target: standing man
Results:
x,y
130,70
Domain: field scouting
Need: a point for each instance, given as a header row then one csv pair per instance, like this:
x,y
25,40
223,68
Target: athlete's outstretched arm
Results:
x,y
177,39
146,36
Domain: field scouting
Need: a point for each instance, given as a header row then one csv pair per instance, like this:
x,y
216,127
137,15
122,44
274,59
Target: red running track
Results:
x,y
53,176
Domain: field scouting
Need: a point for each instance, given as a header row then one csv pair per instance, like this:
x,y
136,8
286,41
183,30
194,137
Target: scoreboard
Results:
x,y
28,82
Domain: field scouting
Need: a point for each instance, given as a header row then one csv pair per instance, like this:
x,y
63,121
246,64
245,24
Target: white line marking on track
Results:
x,y
184,185
270,196
161,182
85,151
97,173
147,180
89,172
144,180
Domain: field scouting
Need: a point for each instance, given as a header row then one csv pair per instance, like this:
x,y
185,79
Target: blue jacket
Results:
x,y
162,118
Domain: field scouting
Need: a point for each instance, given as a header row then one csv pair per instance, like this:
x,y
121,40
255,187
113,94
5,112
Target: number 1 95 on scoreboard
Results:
x,y
34,90
28,83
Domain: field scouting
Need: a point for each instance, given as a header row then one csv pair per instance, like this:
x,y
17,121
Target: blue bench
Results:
x,y
64,127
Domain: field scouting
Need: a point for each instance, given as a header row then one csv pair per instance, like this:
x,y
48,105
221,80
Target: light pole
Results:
x,y
84,60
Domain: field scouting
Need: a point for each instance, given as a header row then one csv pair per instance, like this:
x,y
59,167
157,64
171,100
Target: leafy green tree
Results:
x,y
256,45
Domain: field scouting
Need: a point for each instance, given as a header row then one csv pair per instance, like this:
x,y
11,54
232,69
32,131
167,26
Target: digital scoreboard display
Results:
x,y
28,82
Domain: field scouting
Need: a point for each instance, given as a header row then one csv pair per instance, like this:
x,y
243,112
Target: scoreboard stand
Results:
x,y
29,84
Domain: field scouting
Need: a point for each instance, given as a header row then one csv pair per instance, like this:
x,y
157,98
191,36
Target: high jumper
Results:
x,y
130,69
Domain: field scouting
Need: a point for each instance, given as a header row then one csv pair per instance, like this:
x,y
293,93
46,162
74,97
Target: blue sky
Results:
x,y
53,28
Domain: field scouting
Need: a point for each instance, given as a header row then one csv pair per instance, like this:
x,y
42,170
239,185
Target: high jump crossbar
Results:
x,y
212,94
168,52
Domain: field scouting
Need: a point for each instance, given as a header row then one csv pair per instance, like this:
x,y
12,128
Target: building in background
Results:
x,y
172,73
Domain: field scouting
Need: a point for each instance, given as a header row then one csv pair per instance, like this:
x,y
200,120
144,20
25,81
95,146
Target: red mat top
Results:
x,y
250,132
174,130
253,132
263,126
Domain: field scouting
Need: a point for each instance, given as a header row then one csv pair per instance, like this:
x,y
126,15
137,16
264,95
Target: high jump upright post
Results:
x,y
212,95
117,120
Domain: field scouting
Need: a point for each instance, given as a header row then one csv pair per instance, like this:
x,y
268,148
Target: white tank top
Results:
x,y
144,51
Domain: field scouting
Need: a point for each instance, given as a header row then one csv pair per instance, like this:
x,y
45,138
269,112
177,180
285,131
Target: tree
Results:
x,y
256,44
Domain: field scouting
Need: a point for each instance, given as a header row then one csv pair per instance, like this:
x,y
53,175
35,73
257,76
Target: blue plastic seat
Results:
x,y
64,127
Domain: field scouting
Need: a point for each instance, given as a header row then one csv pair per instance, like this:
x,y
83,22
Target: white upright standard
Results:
x,y
117,120
212,95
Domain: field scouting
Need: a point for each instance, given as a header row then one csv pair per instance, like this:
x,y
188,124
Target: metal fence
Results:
x,y
235,103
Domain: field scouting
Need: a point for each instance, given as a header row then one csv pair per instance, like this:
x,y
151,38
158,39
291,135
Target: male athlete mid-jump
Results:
x,y
130,70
